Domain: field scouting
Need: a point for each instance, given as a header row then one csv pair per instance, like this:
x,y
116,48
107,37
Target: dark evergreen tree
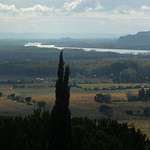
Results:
x,y
147,94
141,95
1,94
61,115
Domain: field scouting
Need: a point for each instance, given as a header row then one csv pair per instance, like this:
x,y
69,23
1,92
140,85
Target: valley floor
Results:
x,y
82,103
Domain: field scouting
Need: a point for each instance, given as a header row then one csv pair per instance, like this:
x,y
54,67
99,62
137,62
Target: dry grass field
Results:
x,y
108,85
8,108
82,103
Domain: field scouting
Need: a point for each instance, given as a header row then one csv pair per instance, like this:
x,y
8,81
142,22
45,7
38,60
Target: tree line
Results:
x,y
120,71
143,95
13,51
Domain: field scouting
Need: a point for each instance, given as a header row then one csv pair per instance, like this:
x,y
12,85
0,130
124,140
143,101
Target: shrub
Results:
x,y
11,96
96,89
106,110
147,111
33,101
41,104
28,100
129,112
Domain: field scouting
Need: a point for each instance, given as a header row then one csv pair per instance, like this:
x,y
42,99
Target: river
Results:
x,y
121,51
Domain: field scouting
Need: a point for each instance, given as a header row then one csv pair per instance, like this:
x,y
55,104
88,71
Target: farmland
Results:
x,y
82,103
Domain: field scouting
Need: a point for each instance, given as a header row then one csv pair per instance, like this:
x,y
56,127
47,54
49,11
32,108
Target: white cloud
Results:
x,y
145,7
123,10
73,5
82,5
10,12
36,8
4,7
73,15
79,9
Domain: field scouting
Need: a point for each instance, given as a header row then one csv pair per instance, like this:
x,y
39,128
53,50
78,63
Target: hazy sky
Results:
x,y
75,16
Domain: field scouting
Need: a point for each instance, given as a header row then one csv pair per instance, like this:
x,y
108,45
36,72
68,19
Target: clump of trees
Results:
x,y
101,98
143,95
131,97
17,98
28,100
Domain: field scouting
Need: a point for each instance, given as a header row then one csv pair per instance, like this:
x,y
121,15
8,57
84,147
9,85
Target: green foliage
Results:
x,y
143,95
128,75
105,134
131,97
102,98
33,132
25,132
17,98
41,104
120,71
28,100
11,97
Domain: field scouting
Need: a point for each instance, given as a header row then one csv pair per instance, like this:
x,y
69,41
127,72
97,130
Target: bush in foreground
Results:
x,y
33,132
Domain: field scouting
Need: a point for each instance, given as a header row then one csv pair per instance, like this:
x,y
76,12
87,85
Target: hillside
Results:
x,y
141,39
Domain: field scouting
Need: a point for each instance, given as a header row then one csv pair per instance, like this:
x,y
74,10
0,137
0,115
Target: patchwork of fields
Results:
x,y
82,103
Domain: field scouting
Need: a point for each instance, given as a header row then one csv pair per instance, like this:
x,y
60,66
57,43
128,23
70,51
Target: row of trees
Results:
x,y
143,95
28,100
119,71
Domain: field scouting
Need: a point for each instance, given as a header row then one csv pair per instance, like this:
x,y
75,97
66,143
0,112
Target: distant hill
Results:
x,y
56,35
139,39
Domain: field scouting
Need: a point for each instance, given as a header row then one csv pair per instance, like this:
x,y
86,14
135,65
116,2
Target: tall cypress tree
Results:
x,y
61,115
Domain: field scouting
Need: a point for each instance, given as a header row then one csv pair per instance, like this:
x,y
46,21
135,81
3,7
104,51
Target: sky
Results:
x,y
75,16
